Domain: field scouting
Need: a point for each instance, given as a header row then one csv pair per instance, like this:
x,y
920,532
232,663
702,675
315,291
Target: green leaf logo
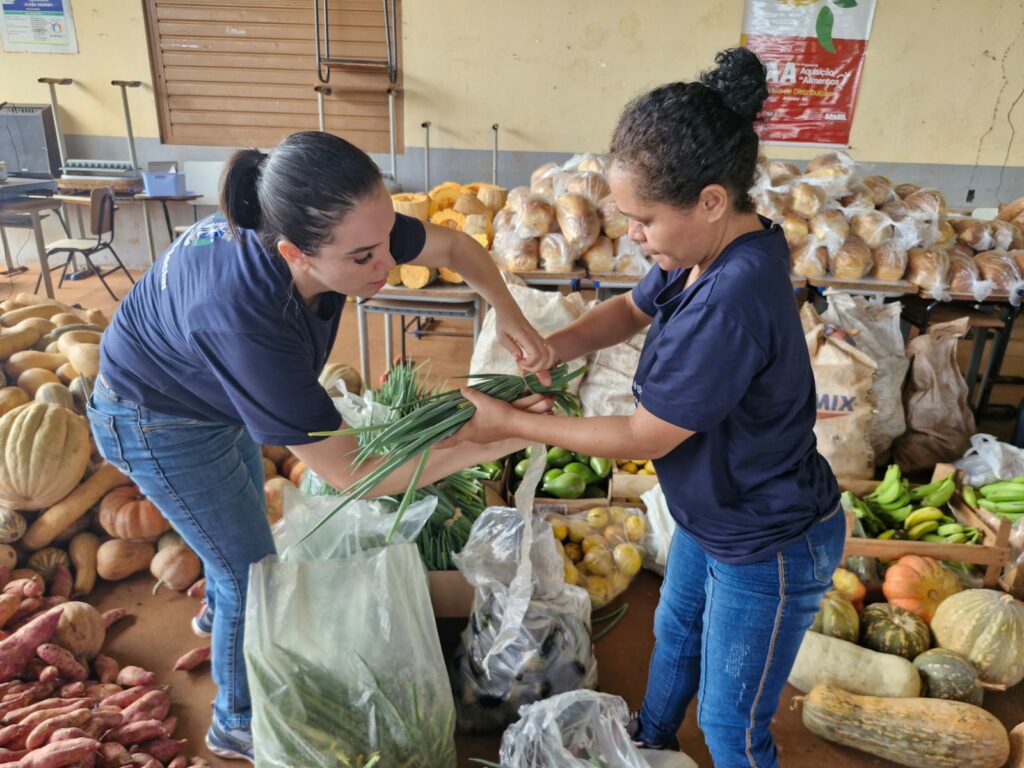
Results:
x,y
826,21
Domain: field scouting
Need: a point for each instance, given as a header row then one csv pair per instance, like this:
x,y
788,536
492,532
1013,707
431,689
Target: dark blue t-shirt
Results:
x,y
726,358
215,331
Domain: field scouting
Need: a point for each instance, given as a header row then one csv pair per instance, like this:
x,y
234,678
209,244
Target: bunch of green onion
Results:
x,y
432,418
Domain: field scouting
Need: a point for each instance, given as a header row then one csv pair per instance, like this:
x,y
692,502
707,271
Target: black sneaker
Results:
x,y
633,731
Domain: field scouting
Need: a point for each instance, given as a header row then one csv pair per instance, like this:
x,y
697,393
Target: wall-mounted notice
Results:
x,y
38,26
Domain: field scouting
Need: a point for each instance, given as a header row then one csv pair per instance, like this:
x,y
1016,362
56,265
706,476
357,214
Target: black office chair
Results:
x,y
101,219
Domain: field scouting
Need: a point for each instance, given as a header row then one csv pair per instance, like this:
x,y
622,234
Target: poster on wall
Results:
x,y
38,26
813,51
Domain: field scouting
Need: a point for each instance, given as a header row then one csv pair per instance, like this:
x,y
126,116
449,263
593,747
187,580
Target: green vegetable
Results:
x,y
493,469
566,486
520,468
580,457
602,467
551,474
559,457
595,492
583,470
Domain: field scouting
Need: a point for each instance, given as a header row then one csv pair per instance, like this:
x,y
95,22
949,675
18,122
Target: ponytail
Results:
x,y
239,194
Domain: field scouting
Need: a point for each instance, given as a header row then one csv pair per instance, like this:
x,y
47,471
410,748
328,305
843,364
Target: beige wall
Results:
x,y
554,73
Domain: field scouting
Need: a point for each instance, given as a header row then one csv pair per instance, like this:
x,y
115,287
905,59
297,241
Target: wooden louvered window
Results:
x,y
242,73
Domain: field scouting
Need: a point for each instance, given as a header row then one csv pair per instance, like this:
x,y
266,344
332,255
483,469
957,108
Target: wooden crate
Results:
x,y
627,486
992,552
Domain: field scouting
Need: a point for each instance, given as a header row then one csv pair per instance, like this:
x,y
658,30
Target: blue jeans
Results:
x,y
207,480
730,634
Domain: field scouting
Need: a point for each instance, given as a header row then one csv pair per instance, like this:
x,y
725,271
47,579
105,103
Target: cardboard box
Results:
x,y
627,486
450,594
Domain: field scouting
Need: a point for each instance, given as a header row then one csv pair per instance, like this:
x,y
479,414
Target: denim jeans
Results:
x,y
730,634
207,480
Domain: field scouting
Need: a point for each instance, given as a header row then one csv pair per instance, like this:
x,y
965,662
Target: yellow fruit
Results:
x,y
599,562
572,576
628,467
635,527
574,552
618,583
639,462
646,471
559,526
593,541
628,559
650,465
617,515
598,589
578,530
614,534
597,517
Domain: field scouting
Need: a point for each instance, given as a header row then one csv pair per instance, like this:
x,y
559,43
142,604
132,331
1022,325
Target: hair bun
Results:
x,y
739,81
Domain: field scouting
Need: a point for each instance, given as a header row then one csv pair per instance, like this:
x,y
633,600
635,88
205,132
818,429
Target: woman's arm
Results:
x,y
446,247
609,323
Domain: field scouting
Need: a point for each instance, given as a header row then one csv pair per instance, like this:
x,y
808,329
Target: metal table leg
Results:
x,y
364,348
388,341
167,219
149,232
7,250
974,364
44,266
995,362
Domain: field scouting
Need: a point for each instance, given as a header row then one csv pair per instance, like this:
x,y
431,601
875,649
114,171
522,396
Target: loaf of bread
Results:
x,y
975,234
881,189
1006,236
587,184
999,269
600,257
578,221
890,261
806,199
831,228
614,224
928,268
796,228
535,217
963,273
853,260
555,253
874,227
515,253
809,259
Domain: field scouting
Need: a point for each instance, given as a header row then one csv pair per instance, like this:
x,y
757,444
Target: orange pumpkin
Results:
x,y
918,584
126,514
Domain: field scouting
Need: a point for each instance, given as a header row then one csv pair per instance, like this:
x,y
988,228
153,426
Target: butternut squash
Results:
x,y
32,379
83,351
55,333
67,373
58,517
96,317
20,337
66,318
11,398
119,558
82,551
8,304
824,659
20,362
920,733
57,393
1016,747
8,556
53,348
176,566
15,316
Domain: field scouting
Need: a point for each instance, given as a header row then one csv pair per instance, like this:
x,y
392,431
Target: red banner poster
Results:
x,y
813,51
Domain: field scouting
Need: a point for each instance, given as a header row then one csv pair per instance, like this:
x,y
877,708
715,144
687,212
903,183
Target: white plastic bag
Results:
x,y
341,645
989,460
529,633
662,528
607,386
580,729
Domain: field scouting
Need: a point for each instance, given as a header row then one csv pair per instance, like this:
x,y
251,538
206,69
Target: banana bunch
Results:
x,y
934,525
1004,498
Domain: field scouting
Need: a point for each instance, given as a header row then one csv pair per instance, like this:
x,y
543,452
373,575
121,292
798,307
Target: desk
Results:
x,y
870,285
33,206
540,277
606,283
163,200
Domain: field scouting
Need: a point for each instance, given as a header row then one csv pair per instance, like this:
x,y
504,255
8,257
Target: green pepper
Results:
x,y
582,458
595,492
493,469
559,457
601,467
551,474
584,471
526,451
520,469
566,486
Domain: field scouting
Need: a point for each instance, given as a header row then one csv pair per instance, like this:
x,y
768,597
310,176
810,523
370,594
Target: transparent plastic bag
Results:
x,y
1001,270
928,268
832,171
613,223
809,259
630,258
852,260
974,233
515,253
890,261
964,277
587,184
832,230
344,676
578,221
989,460
534,217
555,253
663,528
529,633
579,729
599,258
874,227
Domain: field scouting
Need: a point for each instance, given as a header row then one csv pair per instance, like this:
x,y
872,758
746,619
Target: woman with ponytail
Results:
x,y
725,405
219,346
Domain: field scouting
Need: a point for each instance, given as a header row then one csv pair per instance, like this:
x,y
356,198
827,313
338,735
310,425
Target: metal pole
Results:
x,y
426,155
391,132
321,91
51,82
124,85
494,157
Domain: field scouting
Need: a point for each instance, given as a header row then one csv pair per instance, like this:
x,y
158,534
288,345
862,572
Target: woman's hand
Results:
x,y
494,419
528,347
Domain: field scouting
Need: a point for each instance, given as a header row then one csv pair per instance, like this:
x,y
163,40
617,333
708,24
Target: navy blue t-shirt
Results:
x,y
726,358
215,331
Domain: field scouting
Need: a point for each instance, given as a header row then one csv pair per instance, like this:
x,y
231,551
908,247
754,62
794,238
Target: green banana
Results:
x,y
890,487
925,514
923,491
899,515
919,530
1016,494
949,529
900,501
941,495
956,538
970,496
885,535
1001,485
1002,507
934,538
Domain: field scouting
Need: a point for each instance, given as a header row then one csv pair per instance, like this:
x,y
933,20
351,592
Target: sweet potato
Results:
x,y
27,608
102,722
18,715
15,702
38,690
33,668
45,714
63,734
13,732
170,725
73,690
106,668
198,590
143,760
101,691
189,661
60,585
137,732
42,732
131,676
155,705
17,649
49,675
112,616
60,754
113,755
24,588
8,756
69,667
163,750
5,576
128,696
179,762
9,605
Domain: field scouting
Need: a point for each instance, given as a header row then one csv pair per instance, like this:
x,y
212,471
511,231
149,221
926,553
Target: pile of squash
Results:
x,y
865,670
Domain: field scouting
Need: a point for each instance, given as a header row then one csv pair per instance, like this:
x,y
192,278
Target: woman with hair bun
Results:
x,y
725,405
219,347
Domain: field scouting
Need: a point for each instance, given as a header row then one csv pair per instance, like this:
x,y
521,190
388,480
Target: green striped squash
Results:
x,y
889,629
837,617
948,675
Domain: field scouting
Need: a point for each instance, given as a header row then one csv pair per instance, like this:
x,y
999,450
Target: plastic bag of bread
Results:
x,y
594,163
535,217
833,171
796,228
859,198
630,258
806,199
578,220
975,234
769,204
927,208
555,253
1001,269
1005,235
503,220
964,276
928,269
947,235
545,171
780,172
853,259
600,257
516,198
1018,258
809,259
515,253
881,189
613,222
546,187
587,184
907,188
890,261
831,228
874,227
